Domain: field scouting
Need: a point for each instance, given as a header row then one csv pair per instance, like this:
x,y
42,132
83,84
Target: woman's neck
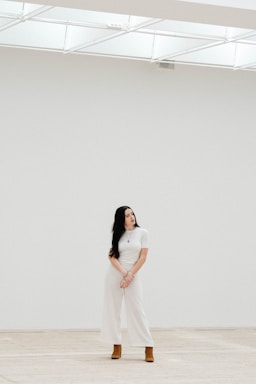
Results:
x,y
129,228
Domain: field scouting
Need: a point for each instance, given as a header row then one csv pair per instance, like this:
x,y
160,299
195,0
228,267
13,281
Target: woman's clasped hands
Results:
x,y
126,280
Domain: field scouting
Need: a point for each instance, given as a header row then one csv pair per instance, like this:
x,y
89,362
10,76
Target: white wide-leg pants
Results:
x,y
137,324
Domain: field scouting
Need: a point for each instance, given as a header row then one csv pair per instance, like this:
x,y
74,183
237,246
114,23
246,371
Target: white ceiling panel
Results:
x,y
11,8
127,45
242,4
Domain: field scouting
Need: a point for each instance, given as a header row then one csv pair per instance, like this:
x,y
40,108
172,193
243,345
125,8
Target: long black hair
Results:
x,y
119,229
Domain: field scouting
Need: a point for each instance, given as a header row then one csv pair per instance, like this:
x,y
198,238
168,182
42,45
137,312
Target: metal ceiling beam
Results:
x,y
205,46
189,50
110,37
10,24
250,65
180,35
94,42
245,35
175,62
71,23
25,17
36,12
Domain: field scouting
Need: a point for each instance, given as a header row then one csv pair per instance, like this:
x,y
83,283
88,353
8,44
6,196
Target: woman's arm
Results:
x,y
117,265
141,260
128,276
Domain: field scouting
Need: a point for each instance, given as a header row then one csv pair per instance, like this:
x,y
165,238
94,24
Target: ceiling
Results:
x,y
219,33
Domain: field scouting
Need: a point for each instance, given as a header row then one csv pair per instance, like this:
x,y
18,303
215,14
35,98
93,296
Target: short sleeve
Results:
x,y
144,239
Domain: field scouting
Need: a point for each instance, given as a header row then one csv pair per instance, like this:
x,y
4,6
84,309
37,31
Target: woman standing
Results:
x,y
127,256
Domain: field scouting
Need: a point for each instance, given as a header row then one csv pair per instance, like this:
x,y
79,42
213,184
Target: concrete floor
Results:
x,y
182,356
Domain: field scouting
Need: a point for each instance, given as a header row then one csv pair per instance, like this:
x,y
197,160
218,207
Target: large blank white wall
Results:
x,y
80,136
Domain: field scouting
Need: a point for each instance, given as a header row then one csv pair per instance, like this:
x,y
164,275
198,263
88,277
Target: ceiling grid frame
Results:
x,y
112,44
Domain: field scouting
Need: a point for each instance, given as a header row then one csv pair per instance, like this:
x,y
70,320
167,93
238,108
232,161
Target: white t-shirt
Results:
x,y
130,245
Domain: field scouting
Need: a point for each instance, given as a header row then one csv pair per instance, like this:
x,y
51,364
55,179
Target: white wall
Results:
x,y
80,136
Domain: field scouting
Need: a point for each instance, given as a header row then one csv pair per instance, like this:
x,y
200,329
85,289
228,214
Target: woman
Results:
x,y
127,256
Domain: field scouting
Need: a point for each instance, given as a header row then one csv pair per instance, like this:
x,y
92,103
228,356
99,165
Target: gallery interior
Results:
x,y
116,103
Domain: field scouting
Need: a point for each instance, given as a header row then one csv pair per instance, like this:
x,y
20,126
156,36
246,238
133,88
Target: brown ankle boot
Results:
x,y
149,357
117,351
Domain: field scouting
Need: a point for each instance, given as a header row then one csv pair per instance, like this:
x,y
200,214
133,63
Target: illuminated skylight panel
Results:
x,y
246,55
78,38
188,28
11,8
34,35
166,47
4,22
222,55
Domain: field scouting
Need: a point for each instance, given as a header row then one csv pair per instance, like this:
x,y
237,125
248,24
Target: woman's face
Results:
x,y
129,219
